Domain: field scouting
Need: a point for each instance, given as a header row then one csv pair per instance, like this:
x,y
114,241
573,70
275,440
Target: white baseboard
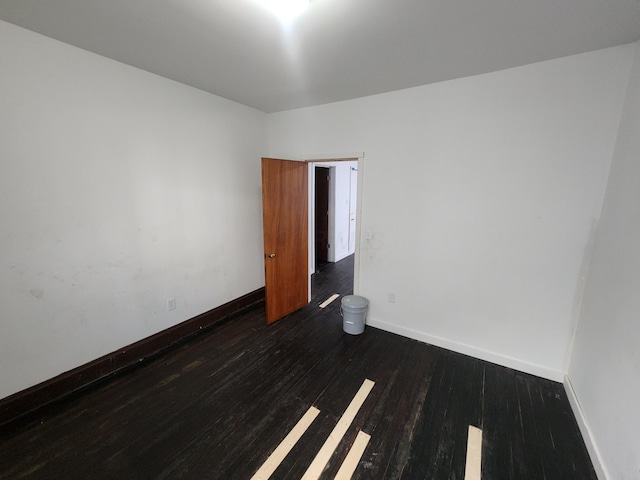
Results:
x,y
589,441
342,256
505,361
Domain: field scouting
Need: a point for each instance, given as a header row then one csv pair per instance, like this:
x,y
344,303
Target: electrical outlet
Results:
x,y
391,297
171,303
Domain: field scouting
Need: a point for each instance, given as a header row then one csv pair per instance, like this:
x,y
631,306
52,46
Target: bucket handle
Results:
x,y
365,311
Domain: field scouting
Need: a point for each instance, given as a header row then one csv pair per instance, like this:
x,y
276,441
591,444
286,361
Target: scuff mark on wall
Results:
x,y
372,249
37,292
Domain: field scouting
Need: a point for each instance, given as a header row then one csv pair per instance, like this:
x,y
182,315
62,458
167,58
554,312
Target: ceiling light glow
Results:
x,y
286,10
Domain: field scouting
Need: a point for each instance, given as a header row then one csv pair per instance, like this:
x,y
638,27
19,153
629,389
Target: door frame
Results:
x,y
325,158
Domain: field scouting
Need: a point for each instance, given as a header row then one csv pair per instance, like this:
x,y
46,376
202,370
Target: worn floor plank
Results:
x,y
215,408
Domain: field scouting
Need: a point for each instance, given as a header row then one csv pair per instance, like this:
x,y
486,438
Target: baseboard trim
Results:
x,y
587,436
32,399
505,361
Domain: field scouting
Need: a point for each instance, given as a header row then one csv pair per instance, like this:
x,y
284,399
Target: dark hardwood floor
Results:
x,y
215,408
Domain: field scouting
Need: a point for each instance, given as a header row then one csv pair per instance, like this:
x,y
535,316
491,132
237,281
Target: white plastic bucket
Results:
x,y
353,309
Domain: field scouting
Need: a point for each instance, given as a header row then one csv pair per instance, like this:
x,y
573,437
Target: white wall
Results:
x,y
479,198
118,190
605,366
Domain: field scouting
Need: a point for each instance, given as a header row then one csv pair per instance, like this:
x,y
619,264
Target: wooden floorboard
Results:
x,y
216,407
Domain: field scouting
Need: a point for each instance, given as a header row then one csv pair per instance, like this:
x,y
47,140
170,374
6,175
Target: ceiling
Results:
x,y
336,50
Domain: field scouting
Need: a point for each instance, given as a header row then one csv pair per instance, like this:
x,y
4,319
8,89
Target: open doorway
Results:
x,y
333,199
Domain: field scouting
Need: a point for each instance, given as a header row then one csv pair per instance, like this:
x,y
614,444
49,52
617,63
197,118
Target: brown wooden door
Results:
x,y
322,214
285,222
